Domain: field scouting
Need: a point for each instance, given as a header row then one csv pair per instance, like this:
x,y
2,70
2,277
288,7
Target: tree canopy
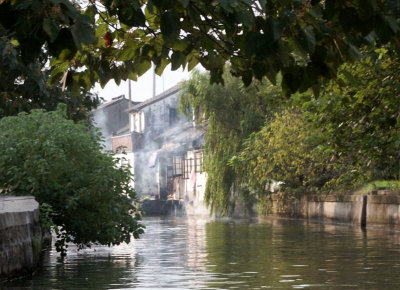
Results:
x,y
24,87
94,41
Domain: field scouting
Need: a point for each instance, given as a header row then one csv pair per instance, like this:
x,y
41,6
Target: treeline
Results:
x,y
328,141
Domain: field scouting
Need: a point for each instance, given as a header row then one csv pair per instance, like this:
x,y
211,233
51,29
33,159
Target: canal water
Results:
x,y
183,253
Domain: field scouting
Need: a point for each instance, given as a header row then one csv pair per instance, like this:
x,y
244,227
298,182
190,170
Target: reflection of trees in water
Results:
x,y
338,254
240,252
298,253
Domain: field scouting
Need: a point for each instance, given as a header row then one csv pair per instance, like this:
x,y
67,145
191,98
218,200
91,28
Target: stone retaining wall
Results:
x,y
364,210
384,210
20,236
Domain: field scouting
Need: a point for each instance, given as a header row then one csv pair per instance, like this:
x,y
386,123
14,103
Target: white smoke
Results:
x,y
100,121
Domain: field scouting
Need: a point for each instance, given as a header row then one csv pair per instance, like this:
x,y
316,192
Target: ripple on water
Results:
x,y
178,253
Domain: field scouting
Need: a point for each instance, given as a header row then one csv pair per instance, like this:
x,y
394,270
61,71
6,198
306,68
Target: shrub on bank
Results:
x,y
62,164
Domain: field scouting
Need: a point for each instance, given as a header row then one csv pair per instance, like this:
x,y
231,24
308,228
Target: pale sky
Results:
x,y
143,88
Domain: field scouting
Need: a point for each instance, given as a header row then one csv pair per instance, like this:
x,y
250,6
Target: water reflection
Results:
x,y
192,253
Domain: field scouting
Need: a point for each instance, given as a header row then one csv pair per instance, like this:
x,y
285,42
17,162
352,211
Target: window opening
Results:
x,y
188,167
199,161
177,169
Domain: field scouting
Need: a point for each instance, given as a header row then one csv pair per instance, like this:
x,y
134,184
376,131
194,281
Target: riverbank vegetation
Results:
x,y
336,141
85,194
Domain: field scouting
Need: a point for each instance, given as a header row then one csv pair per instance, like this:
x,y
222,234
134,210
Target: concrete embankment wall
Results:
x,y
383,210
364,210
20,236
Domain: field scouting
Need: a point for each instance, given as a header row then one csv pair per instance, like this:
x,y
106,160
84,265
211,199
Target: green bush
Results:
x,y
62,164
359,114
287,150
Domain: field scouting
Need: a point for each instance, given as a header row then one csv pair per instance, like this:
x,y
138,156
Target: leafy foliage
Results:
x,y
230,114
46,217
359,115
284,151
304,41
341,140
24,87
61,164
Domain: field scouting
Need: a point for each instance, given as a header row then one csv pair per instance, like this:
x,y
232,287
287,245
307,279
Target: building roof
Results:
x,y
114,101
157,98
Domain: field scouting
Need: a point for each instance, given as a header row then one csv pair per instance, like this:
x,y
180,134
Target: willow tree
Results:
x,y
229,114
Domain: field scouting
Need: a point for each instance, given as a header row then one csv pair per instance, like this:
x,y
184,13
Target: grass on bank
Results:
x,y
379,185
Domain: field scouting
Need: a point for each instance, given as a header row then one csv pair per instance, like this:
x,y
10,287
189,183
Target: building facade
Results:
x,y
112,118
166,149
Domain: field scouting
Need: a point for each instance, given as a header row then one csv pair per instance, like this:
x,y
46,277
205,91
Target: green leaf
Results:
x,y
179,44
192,62
307,40
63,47
57,72
207,42
131,16
71,11
177,59
83,33
101,29
51,27
292,79
142,65
126,53
161,66
170,25
90,12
